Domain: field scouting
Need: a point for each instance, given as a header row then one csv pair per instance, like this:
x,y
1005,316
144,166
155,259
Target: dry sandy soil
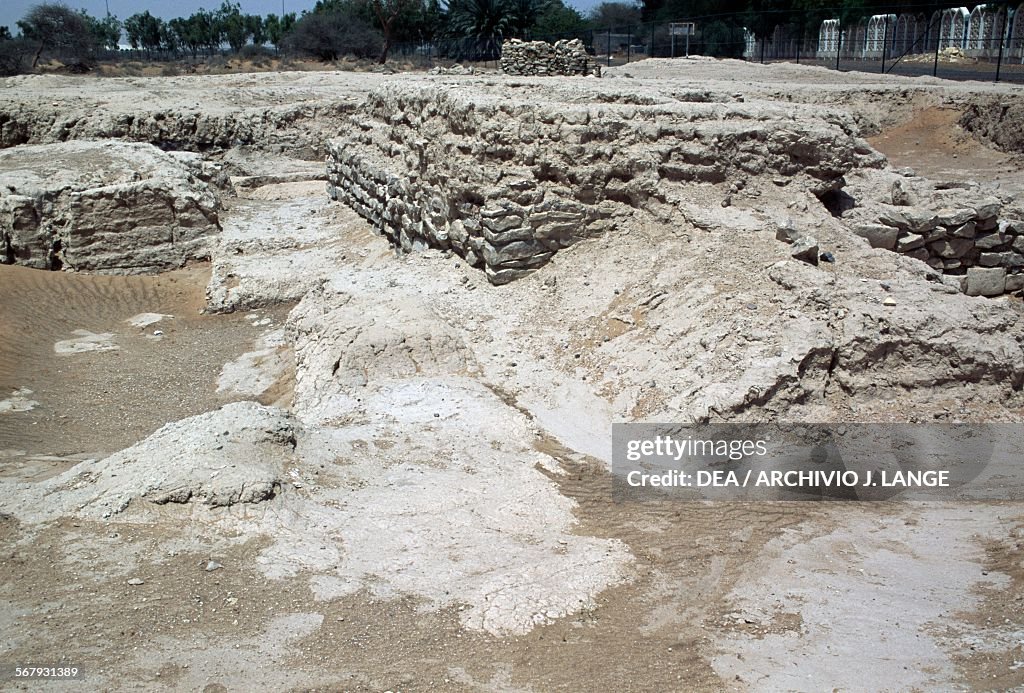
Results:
x,y
440,514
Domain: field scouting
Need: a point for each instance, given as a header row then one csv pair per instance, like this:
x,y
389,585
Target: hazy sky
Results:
x,y
13,10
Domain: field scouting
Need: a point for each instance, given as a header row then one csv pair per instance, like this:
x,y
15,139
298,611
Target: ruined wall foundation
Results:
x,y
108,207
956,229
507,182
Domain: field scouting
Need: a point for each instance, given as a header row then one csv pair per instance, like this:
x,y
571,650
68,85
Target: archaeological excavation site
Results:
x,y
314,381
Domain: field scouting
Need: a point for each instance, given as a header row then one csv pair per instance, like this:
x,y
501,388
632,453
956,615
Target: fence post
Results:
x,y
629,42
885,41
839,41
938,43
1002,40
609,46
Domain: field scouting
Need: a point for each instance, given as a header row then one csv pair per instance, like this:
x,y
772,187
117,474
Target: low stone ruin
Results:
x,y
507,182
540,58
955,229
110,207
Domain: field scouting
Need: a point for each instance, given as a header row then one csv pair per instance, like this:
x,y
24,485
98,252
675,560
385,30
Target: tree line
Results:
x,y
332,29
370,28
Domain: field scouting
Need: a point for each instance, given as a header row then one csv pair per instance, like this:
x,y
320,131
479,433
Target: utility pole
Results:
x,y
1002,40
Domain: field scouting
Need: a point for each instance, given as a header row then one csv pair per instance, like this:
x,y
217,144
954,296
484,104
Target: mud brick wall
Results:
x,y
507,182
109,207
565,57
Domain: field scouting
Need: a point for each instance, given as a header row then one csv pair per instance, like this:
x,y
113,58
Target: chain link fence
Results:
x,y
985,44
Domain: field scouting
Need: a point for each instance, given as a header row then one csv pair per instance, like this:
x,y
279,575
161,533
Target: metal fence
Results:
x,y
984,44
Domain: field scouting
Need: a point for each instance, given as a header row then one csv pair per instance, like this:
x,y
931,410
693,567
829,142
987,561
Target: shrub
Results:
x,y
252,52
327,36
16,56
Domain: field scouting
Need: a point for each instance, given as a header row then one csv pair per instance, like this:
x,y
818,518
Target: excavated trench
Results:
x,y
425,438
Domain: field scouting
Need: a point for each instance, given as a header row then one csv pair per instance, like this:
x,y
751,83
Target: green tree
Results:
x,y
144,31
183,35
15,53
481,19
232,25
524,15
107,30
257,29
432,20
615,15
558,19
206,25
276,28
329,34
58,29
170,40
387,13
670,10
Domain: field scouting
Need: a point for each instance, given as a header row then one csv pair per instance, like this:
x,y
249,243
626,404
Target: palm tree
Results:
x,y
525,14
481,19
489,22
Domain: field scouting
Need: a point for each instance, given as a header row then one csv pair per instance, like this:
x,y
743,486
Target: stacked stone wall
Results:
x,y
964,238
566,57
506,183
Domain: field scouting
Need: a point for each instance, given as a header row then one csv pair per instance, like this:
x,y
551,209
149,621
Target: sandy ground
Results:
x,y
936,147
716,596
96,402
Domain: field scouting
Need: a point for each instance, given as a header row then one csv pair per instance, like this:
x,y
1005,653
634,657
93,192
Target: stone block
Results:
x,y
878,235
986,281
908,242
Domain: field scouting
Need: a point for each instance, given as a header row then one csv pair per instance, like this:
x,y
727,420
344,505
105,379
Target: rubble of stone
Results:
x,y
997,120
567,57
456,69
955,229
109,207
507,182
